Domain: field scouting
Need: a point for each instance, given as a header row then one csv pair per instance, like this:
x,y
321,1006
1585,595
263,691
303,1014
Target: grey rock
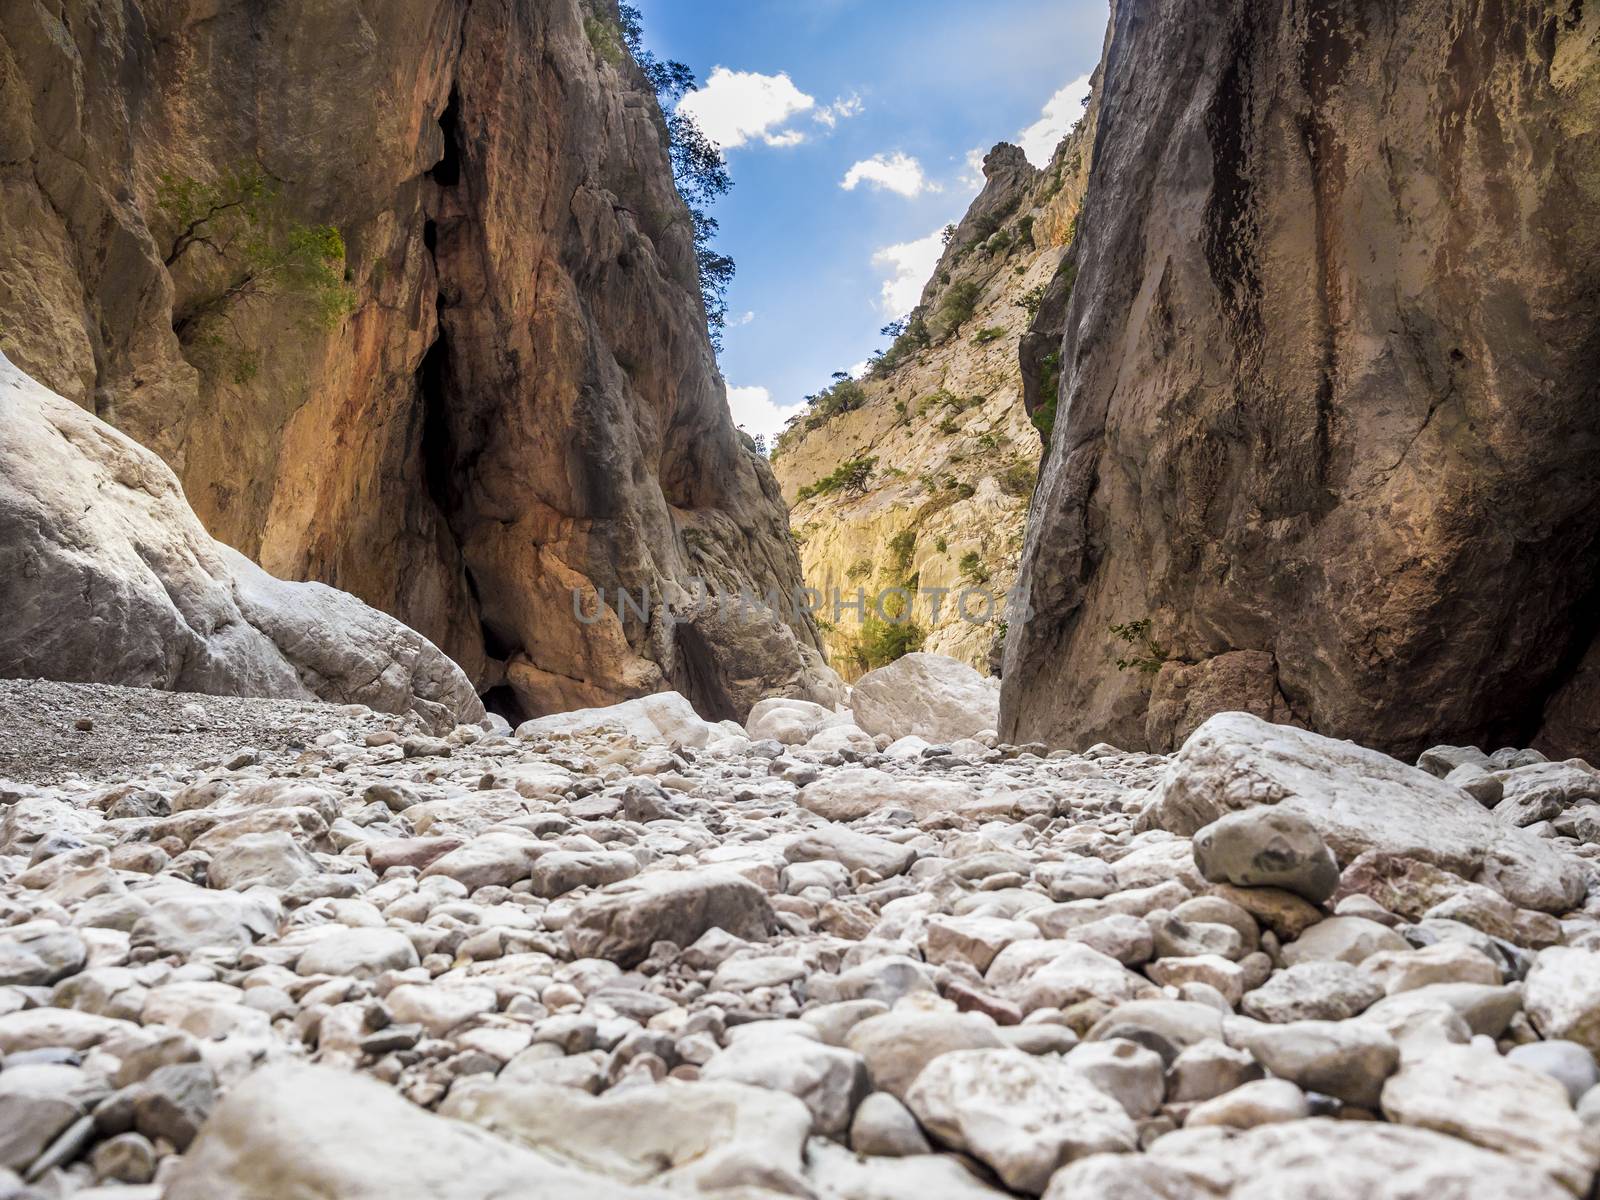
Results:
x,y
838,1174
855,851
1354,1160
1568,1063
274,860
1131,1074
1208,1069
623,921
1349,940
1266,847
314,1131
126,1158
562,871
1347,1059
1262,1102
968,1100
828,1080
1482,1098
883,1126
173,1102
358,953
39,954
1563,995
680,1136
897,1046
1313,991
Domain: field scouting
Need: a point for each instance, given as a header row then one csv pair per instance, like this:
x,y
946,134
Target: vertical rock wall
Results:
x,y
1329,389
523,401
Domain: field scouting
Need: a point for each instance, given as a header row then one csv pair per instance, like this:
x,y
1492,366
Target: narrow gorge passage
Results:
x,y
799,601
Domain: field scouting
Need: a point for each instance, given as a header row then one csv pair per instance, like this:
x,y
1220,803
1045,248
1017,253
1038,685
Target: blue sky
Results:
x,y
891,96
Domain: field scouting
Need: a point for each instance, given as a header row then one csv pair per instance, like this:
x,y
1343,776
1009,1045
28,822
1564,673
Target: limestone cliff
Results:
x,y
1328,438
409,302
953,457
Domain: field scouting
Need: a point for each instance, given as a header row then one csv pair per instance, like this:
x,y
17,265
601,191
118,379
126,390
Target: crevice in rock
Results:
x,y
502,700
447,171
1585,618
438,450
438,400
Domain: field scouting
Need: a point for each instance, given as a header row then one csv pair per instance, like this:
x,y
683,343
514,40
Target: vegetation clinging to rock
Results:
x,y
238,235
698,166
850,477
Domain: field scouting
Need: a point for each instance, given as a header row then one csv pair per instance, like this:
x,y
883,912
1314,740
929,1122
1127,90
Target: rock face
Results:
x,y
1325,392
520,402
956,455
110,578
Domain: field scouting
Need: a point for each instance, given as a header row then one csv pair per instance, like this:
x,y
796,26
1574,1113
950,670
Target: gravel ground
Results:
x,y
132,729
636,954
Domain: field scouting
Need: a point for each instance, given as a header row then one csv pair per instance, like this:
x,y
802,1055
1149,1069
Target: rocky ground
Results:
x,y
863,956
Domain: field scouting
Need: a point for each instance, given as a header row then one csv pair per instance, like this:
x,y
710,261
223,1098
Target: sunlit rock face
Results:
x,y
1328,382
954,453
522,401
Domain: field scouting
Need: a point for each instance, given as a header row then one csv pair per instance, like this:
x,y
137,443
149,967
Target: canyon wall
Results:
x,y
953,453
501,394
1328,433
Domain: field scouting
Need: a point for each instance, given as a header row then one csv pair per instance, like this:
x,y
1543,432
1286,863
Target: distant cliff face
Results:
x,y
500,394
953,454
1328,413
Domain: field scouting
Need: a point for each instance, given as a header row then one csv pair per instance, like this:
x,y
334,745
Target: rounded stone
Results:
x,y
1264,847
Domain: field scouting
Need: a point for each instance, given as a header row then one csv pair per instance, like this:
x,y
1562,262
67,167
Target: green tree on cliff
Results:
x,y
698,168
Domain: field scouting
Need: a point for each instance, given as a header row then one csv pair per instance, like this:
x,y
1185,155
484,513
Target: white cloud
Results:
x,y
1061,112
734,107
973,178
743,319
895,172
755,413
860,369
909,264
841,109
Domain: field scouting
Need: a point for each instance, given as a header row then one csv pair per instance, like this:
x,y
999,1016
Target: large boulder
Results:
x,y
663,717
1357,800
1353,1160
1023,1115
928,696
622,921
109,577
1326,379
685,1137
314,1133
